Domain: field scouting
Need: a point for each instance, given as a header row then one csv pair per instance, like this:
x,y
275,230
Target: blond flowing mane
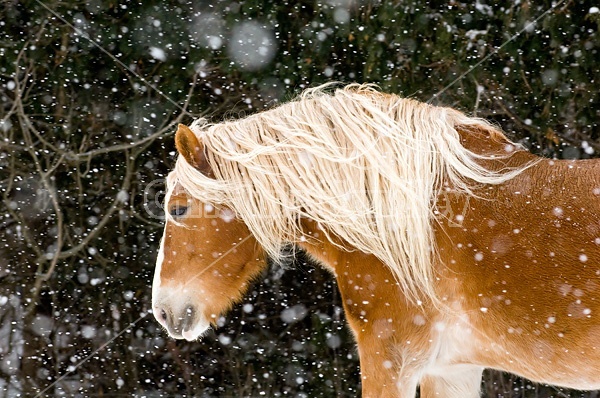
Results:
x,y
366,166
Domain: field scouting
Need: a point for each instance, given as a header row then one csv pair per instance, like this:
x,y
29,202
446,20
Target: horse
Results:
x,y
454,248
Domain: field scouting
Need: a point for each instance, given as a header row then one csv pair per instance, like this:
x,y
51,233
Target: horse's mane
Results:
x,y
366,166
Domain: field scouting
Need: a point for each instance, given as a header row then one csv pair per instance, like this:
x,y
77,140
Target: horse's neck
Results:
x,y
340,258
318,245
366,285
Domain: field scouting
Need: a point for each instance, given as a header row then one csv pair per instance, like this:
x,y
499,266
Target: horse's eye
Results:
x,y
178,211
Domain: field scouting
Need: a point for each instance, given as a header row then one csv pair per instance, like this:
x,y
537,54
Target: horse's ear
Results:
x,y
192,150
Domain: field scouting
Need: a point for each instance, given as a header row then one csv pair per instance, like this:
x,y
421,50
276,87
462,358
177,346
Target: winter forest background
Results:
x,y
91,92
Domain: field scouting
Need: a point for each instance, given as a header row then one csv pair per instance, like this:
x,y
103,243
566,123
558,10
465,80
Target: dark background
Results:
x,y
90,95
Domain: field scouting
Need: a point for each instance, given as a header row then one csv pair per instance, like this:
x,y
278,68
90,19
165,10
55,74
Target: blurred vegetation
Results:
x,y
90,94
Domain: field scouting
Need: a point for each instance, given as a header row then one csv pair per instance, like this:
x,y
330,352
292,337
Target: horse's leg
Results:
x,y
381,376
376,386
456,382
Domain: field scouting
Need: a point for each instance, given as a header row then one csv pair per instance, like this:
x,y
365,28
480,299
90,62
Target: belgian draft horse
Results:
x,y
454,249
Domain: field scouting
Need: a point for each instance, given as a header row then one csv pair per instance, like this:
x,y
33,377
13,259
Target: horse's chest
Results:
x,y
453,341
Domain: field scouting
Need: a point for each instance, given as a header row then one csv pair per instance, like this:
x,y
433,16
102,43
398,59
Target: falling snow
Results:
x,y
91,93
158,54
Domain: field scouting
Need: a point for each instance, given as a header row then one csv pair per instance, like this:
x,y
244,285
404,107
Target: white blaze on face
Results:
x,y
174,298
156,281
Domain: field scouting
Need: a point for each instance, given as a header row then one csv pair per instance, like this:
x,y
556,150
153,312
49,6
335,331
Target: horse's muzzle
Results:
x,y
185,323
176,323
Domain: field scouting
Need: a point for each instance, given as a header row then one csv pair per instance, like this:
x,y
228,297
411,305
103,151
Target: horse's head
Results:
x,y
207,256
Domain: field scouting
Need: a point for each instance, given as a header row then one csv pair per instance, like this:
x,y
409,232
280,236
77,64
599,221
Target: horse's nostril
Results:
x,y
188,318
176,320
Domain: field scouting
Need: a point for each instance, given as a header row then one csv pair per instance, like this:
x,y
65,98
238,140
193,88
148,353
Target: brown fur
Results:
x,y
517,277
